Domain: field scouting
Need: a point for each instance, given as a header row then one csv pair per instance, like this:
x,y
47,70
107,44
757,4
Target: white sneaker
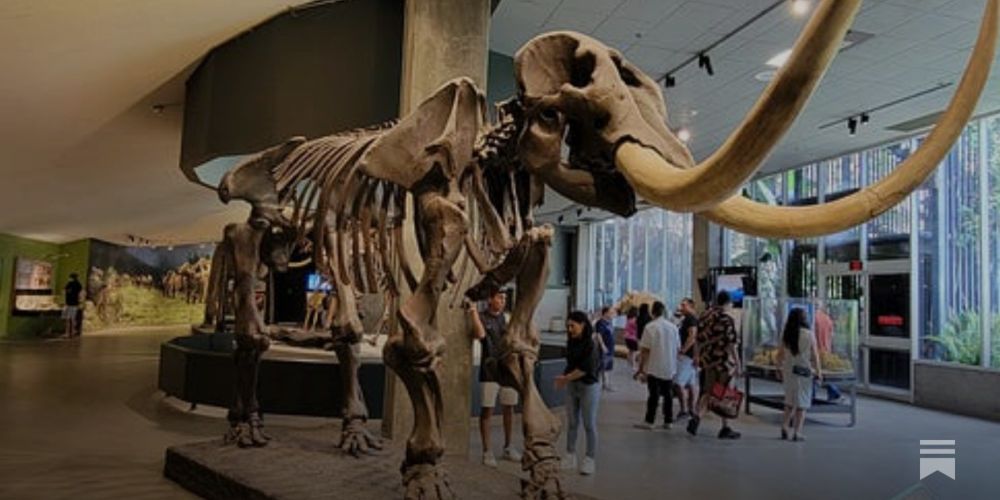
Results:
x,y
510,453
644,426
667,426
568,462
489,460
587,466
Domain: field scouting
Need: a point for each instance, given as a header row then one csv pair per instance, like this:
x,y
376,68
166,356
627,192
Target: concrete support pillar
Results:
x,y
442,40
700,262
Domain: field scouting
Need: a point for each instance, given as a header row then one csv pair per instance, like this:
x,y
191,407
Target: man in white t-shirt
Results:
x,y
658,365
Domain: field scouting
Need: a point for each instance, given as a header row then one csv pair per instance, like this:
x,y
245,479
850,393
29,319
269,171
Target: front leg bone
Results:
x,y
519,354
414,352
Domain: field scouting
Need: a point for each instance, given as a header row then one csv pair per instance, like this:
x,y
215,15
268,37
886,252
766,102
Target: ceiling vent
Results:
x,y
918,123
853,38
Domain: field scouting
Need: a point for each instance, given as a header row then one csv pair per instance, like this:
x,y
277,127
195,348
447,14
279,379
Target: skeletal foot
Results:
x,y
357,439
247,434
542,464
426,482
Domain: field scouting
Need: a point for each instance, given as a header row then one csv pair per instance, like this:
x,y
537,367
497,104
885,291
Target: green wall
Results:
x,y
66,258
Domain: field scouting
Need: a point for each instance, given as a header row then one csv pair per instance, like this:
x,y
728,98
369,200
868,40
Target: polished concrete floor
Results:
x,y
83,419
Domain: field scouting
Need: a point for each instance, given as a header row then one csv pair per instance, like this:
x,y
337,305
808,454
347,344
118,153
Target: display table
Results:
x,y
845,381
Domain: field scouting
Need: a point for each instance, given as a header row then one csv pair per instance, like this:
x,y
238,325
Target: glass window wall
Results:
x,y
956,217
649,252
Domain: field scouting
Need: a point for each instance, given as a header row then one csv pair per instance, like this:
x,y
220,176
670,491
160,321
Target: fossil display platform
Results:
x,y
307,465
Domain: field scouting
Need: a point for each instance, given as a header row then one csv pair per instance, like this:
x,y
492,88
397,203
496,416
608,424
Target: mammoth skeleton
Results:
x,y
474,184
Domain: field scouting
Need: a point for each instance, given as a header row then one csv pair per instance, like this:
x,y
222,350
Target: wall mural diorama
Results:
x,y
474,185
146,286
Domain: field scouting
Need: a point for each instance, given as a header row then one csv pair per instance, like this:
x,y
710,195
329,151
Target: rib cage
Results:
x,y
354,222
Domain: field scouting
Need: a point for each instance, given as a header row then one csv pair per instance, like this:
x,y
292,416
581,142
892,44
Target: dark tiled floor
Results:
x,y
83,419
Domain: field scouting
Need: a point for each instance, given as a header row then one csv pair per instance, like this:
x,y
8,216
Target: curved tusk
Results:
x,y
763,220
301,263
723,173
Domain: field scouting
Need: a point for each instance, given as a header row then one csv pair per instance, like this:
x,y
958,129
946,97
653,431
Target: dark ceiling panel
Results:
x,y
310,71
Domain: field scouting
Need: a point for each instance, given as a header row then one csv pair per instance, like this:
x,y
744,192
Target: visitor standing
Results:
x,y
71,306
642,320
584,393
686,380
720,359
824,343
658,365
607,337
632,335
798,360
489,328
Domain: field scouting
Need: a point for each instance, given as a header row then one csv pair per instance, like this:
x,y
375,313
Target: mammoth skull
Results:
x,y
574,88
612,117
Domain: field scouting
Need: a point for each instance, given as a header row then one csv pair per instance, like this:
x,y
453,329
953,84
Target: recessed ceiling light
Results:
x,y
779,59
801,7
765,76
684,135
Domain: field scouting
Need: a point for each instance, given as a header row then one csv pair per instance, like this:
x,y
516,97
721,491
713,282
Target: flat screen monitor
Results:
x,y
315,283
733,284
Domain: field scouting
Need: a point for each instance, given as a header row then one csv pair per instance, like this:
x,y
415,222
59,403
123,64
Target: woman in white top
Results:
x,y
798,359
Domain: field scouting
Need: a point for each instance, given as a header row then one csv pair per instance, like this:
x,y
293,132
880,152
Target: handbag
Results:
x,y
725,401
802,371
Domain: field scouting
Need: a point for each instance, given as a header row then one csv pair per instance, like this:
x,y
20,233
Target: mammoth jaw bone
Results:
x,y
725,171
763,220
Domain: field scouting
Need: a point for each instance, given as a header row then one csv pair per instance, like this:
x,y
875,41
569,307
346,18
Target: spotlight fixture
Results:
x,y
158,108
579,212
560,219
852,125
705,63
684,135
669,81
864,118
801,7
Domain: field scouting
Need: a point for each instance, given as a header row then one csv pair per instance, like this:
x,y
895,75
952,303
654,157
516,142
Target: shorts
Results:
x,y
489,392
69,312
686,376
632,344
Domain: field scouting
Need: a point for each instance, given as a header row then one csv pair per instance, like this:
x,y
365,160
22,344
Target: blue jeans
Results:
x,y
582,400
832,391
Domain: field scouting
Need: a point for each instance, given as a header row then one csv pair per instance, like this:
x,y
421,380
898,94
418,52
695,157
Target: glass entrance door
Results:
x,y
886,343
882,289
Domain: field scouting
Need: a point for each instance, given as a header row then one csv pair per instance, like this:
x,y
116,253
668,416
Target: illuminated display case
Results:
x,y
33,288
835,325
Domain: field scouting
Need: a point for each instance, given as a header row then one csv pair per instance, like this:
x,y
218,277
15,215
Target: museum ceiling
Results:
x,y
84,151
90,109
905,47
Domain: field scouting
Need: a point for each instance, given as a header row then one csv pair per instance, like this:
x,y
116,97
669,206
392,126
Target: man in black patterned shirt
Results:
x,y
718,346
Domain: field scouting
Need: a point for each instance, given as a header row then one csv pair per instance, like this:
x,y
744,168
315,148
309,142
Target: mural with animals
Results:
x,y
146,286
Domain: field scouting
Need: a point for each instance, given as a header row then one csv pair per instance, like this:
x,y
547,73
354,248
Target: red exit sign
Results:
x,y
890,320
855,265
